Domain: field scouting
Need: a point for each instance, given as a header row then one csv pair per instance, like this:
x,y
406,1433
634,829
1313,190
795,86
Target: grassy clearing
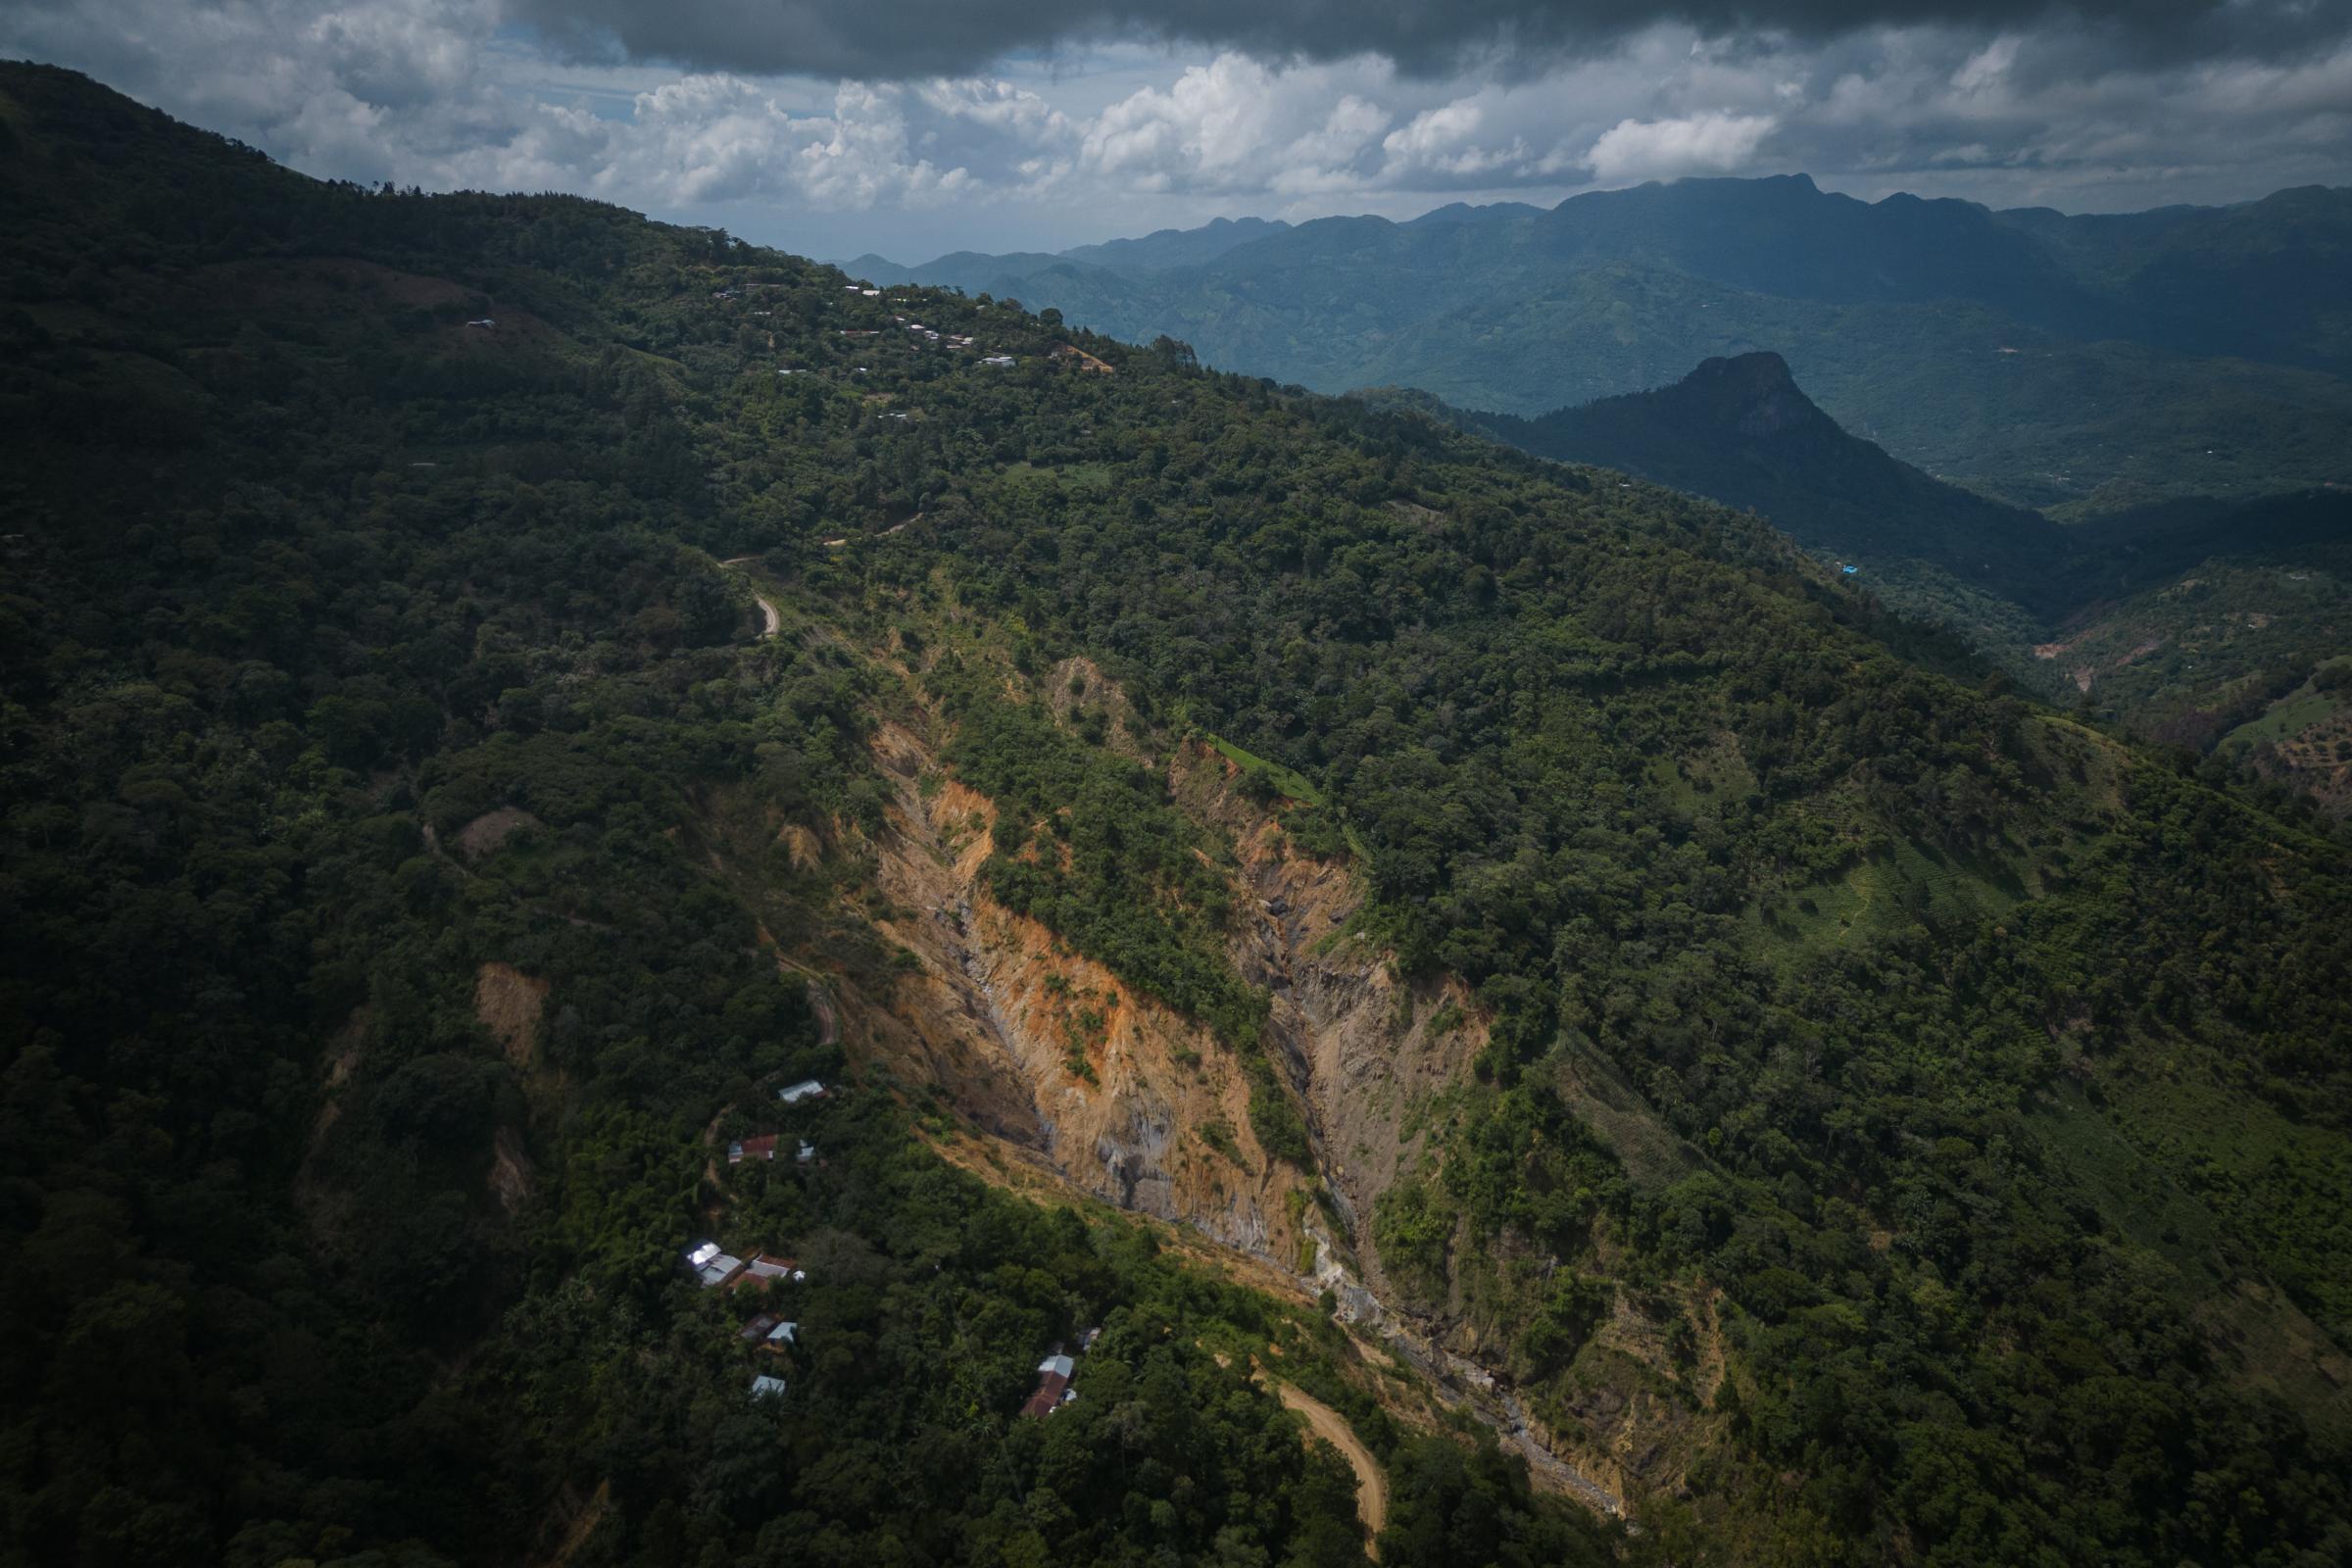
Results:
x,y
2286,717
1880,894
1075,478
1292,785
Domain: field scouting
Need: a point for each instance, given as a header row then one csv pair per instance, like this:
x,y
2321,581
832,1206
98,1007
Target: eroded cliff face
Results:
x,y
1364,1049
1065,1071
1047,1049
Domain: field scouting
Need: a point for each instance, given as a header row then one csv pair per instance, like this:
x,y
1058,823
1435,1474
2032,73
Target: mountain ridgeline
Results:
x,y
2260,621
542,747
1742,432
2090,361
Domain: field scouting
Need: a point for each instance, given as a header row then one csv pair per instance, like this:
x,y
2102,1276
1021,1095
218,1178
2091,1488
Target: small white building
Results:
x,y
764,1386
805,1089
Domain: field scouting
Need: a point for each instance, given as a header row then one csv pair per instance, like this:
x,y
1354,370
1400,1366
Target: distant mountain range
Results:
x,y
1156,252
2088,363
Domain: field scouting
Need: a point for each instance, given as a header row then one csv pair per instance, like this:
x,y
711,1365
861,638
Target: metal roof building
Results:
x,y
712,1266
1053,1382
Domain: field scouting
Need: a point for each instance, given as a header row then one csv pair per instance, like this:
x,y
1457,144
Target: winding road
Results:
x,y
1371,1486
767,606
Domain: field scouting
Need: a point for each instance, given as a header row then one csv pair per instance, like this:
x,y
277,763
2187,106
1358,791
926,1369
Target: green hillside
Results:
x,y
2181,622
459,655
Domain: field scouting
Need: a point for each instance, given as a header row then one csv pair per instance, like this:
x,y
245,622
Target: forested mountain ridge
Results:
x,y
1742,432
1913,1123
2049,360
2202,624
1155,252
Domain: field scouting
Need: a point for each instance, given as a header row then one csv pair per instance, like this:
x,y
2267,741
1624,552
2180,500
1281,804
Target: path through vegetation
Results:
x,y
1371,1486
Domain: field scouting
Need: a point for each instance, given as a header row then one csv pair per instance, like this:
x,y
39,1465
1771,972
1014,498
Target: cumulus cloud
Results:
x,y
1452,139
1665,149
1234,124
716,139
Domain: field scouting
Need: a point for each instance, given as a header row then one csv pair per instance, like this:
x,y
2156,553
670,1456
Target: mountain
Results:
x,y
1165,249
1176,247
2091,364
578,791
2191,622
1742,432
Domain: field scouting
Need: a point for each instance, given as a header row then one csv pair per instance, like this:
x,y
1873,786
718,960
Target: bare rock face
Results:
x,y
1361,1047
1042,1047
1106,1090
512,1176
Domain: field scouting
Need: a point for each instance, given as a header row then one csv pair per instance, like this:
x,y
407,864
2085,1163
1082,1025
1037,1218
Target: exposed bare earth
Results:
x,y
1075,1085
801,846
510,1175
1044,1047
1363,1047
1084,360
509,1004
769,612
1371,1486
487,832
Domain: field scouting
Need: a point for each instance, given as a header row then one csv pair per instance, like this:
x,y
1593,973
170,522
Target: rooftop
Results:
x,y
1047,1396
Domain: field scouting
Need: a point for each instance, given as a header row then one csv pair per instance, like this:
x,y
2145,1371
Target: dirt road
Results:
x,y
767,606
1371,1486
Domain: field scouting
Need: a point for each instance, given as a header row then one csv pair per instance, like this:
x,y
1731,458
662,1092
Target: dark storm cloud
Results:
x,y
883,39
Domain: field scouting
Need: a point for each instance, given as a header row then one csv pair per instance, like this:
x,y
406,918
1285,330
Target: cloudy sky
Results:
x,y
925,125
